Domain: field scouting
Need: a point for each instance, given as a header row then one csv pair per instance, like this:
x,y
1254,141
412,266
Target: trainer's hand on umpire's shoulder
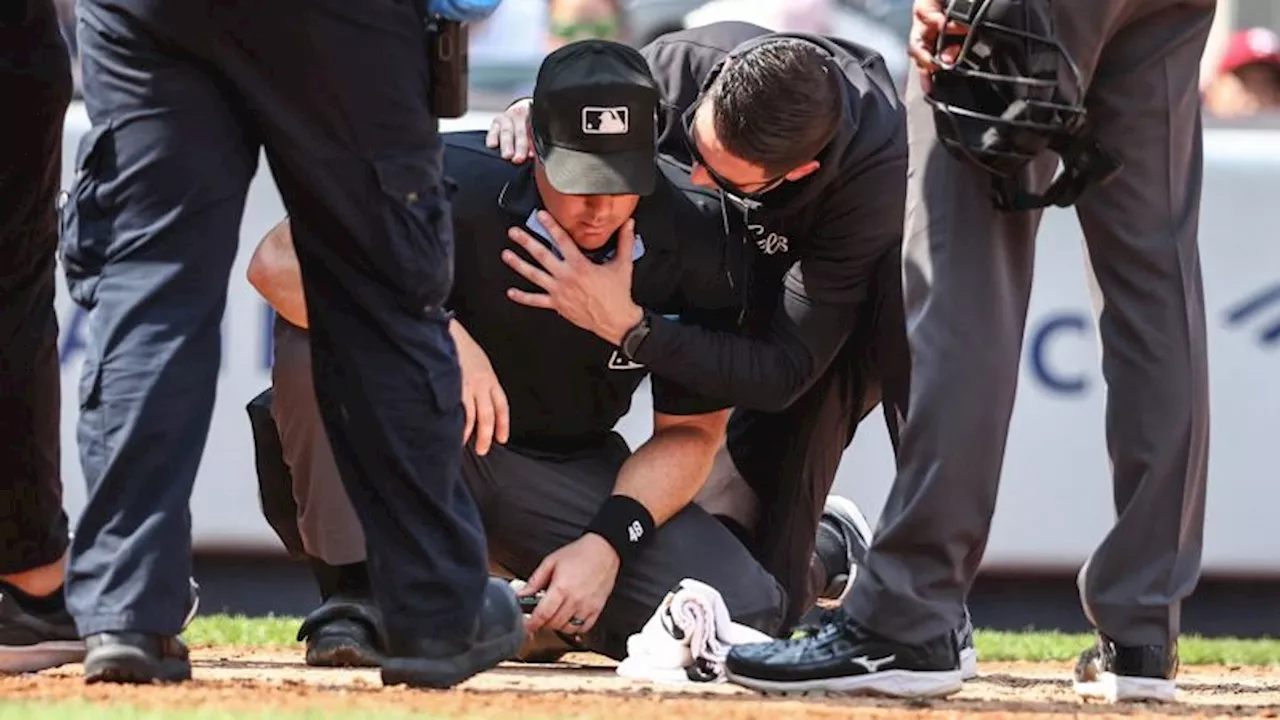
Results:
x,y
578,579
510,132
488,417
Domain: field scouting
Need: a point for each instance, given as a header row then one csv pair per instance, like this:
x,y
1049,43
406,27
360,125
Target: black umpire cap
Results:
x,y
595,116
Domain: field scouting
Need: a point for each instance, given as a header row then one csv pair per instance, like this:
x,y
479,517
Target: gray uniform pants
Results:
x,y
531,506
967,274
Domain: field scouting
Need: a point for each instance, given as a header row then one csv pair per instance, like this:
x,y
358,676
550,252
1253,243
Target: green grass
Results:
x,y
992,645
243,631
1054,646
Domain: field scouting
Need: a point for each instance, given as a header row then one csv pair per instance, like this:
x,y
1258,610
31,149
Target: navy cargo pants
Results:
x,y
35,80
183,96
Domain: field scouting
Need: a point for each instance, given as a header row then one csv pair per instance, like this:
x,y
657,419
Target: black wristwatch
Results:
x,y
635,337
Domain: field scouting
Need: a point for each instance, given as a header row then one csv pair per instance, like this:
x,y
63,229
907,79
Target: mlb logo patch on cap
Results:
x,y
594,119
605,121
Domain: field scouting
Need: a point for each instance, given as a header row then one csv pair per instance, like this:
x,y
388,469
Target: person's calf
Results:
x,y
43,581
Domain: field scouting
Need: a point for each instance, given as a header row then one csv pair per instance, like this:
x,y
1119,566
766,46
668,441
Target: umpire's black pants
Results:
x,y
35,83
533,503
183,97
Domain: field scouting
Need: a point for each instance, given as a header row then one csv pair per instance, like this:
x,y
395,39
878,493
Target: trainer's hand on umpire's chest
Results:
x,y
488,417
578,578
595,297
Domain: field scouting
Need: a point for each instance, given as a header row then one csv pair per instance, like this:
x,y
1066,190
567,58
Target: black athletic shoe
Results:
x,y
496,636
844,535
130,657
343,632
844,538
813,621
31,641
843,657
1119,673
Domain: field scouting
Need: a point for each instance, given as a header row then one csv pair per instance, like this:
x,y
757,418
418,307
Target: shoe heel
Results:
x,y
133,666
123,665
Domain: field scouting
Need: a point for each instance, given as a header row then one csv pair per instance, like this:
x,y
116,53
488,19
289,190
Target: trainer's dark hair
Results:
x,y
777,105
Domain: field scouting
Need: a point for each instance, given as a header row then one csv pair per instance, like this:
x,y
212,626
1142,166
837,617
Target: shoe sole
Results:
x,y
890,683
194,608
541,657
41,656
968,663
342,654
131,665
445,673
1118,688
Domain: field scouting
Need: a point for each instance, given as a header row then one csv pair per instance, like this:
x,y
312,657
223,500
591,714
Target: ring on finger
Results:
x,y
576,621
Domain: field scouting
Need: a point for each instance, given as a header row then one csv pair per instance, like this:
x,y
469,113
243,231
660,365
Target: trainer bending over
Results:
x,y
805,139
565,503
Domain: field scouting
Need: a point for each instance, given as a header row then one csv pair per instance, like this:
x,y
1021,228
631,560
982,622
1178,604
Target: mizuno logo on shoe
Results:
x,y
873,665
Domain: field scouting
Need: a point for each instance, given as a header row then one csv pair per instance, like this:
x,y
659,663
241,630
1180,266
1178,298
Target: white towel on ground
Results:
x,y
687,639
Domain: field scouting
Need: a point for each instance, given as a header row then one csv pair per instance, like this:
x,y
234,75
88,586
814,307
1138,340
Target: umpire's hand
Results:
x,y
488,417
578,578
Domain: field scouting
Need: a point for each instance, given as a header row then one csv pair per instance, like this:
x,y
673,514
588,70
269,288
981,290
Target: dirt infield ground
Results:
x,y
236,680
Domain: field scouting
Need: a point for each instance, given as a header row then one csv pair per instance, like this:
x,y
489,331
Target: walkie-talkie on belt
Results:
x,y
447,51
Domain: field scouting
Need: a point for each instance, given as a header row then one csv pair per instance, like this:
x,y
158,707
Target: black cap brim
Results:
x,y
574,172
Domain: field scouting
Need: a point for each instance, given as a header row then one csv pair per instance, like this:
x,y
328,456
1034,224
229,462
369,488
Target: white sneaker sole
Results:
x,y
195,605
968,663
1118,688
42,656
890,683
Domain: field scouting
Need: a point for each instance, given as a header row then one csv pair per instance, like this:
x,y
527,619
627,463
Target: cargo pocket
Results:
x,y
418,237
444,376
85,223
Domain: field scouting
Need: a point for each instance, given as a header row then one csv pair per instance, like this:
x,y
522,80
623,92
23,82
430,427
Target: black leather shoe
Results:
x,y
1124,673
130,657
496,636
343,632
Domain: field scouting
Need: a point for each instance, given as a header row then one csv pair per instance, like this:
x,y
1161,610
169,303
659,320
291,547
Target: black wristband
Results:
x,y
625,523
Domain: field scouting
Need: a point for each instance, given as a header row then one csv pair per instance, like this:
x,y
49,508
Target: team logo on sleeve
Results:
x,y
618,361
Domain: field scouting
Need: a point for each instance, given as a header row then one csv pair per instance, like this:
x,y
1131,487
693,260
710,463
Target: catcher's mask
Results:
x,y
1012,92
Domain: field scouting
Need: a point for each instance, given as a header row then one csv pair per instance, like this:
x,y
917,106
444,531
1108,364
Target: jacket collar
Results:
x,y
520,198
